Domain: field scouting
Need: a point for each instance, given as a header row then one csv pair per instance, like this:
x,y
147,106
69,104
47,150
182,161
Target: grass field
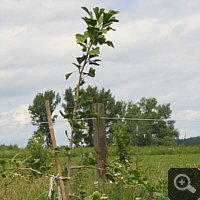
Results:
x,y
152,162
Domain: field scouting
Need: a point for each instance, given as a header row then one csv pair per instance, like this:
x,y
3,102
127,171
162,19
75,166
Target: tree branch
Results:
x,y
15,168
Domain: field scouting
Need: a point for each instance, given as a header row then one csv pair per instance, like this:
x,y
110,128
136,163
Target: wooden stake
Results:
x,y
100,141
58,167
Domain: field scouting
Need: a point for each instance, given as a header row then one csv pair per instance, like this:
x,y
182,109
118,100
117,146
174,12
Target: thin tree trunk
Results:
x,y
74,117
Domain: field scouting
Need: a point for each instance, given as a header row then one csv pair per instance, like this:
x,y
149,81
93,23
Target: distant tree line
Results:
x,y
4,147
154,130
186,142
189,141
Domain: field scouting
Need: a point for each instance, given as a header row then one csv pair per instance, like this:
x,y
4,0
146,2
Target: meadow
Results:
x,y
152,162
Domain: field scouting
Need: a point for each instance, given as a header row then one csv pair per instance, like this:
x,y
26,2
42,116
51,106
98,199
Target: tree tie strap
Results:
x,y
56,179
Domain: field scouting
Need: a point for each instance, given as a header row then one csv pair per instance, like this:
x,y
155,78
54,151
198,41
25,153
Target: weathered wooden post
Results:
x,y
99,135
58,167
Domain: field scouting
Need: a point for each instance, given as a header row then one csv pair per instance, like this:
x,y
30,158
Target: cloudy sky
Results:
x,y
157,47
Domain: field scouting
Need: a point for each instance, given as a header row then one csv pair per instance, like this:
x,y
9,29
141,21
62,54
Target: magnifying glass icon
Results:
x,y
182,182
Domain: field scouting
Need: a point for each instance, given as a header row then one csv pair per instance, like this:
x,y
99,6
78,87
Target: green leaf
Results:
x,y
92,56
97,12
113,19
89,21
91,72
92,30
96,60
113,12
94,114
94,51
81,83
80,38
84,49
110,177
69,109
82,114
101,40
79,66
109,43
79,126
67,149
86,34
106,17
68,75
110,28
56,150
67,135
86,107
81,59
66,116
107,20
84,135
100,20
101,11
89,12
76,141
89,99
107,24
102,31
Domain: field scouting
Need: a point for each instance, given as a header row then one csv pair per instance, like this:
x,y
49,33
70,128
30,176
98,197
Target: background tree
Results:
x,y
99,96
146,132
38,112
133,111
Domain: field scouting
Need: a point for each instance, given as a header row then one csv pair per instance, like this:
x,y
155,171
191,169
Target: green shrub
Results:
x,y
40,153
121,140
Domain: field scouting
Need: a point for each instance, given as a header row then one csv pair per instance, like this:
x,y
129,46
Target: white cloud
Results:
x,y
16,127
188,115
187,122
18,116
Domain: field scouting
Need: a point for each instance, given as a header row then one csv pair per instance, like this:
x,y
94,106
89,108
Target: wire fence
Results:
x,y
110,118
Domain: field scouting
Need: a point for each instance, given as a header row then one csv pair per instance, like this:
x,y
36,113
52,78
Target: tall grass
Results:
x,y
152,162
153,167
